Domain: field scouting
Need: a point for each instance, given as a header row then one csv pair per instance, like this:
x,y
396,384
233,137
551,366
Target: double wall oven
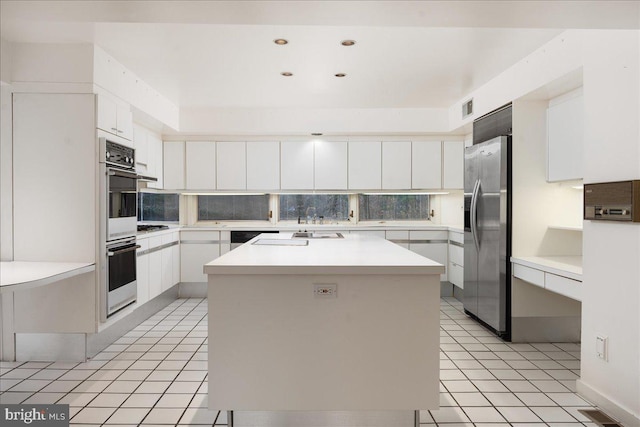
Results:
x,y
119,198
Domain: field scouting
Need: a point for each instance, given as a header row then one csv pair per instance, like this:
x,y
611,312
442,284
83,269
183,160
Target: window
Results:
x,y
334,207
233,208
390,207
158,207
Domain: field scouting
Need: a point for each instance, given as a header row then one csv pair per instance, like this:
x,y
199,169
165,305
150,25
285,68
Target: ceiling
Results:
x,y
221,54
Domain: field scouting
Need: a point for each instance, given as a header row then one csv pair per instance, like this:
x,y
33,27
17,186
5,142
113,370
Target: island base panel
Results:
x,y
323,418
276,346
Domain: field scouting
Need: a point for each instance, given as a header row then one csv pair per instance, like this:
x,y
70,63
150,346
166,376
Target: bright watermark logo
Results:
x,y
34,415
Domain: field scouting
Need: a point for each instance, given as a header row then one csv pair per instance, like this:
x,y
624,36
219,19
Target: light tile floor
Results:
x,y
156,375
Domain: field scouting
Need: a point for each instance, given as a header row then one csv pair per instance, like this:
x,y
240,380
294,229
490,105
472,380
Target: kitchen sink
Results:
x,y
311,235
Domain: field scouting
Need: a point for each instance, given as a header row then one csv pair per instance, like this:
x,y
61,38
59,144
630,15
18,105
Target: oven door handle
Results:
x,y
121,251
125,174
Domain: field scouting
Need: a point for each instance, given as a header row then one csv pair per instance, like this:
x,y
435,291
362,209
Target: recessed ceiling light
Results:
x,y
281,42
341,75
286,74
348,42
316,134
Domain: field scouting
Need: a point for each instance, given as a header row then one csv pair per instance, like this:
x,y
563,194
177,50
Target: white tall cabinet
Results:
x,y
330,165
396,165
231,165
296,160
365,165
453,164
263,165
200,165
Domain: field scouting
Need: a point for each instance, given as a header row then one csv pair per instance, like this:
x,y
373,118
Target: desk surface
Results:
x,y
20,275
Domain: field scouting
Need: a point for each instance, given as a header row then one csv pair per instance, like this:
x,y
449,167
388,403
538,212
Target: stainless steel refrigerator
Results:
x,y
487,234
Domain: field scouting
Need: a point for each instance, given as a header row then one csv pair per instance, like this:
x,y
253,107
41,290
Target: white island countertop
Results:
x,y
20,275
353,254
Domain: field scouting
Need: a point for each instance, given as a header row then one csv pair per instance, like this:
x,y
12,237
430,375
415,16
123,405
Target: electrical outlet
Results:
x,y
325,290
601,347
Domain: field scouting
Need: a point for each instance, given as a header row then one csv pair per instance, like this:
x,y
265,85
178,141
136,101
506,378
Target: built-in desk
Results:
x,y
559,274
21,275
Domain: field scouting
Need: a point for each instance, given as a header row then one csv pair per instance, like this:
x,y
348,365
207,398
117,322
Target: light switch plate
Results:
x,y
601,347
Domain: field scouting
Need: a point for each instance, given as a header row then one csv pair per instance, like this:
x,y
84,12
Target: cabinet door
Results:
x,y
296,160
231,161
124,120
107,118
330,165
434,251
565,135
173,161
175,270
263,165
167,268
142,149
453,164
194,256
155,160
142,278
396,165
365,165
426,165
200,165
155,274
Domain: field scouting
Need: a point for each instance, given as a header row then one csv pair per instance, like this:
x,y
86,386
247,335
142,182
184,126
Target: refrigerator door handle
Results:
x,y
474,214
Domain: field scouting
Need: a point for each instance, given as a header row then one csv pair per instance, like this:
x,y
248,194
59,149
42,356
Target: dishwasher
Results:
x,y
241,237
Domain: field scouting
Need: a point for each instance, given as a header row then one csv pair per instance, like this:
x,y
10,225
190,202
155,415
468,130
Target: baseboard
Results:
x,y
446,289
458,293
193,290
101,340
612,409
545,329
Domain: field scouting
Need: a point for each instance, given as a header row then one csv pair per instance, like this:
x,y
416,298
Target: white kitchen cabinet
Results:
x,y
376,233
142,272
175,258
399,237
426,165
142,148
565,135
196,249
330,165
155,267
453,165
231,165
114,117
263,165
168,254
432,245
225,242
365,165
155,160
200,165
396,165
174,166
296,165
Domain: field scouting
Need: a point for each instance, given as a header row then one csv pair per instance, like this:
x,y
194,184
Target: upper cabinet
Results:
x,y
296,165
263,165
149,157
174,165
114,117
365,165
330,165
200,161
426,165
231,165
396,165
565,134
453,165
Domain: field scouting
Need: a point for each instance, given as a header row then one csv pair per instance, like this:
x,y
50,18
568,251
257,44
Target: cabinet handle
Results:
x,y
114,129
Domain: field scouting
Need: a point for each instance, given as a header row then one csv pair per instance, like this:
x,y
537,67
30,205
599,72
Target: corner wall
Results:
x,y
611,280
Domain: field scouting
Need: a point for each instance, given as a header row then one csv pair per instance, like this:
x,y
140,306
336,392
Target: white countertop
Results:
x,y
567,266
354,254
20,275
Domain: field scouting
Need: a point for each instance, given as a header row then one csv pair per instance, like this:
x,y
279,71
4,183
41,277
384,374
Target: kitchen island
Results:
x,y
323,331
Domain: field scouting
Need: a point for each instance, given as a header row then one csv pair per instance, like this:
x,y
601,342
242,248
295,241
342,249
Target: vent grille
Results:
x,y
467,108
599,418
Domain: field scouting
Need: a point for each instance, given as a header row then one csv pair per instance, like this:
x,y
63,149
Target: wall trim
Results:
x,y
608,406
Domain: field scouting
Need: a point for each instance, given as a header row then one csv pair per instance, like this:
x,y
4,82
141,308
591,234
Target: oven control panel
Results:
x,y
612,201
119,155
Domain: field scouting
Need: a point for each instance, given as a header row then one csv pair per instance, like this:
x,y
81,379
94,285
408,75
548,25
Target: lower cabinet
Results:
x,y
432,245
142,273
196,249
158,265
456,259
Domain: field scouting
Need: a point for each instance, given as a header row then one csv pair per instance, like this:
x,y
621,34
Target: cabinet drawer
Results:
x,y
200,236
563,286
456,274
456,254
143,243
379,233
528,274
454,236
155,241
430,235
169,238
397,234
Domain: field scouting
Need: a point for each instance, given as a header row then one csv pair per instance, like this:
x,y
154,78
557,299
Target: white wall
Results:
x,y
304,121
611,290
6,154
